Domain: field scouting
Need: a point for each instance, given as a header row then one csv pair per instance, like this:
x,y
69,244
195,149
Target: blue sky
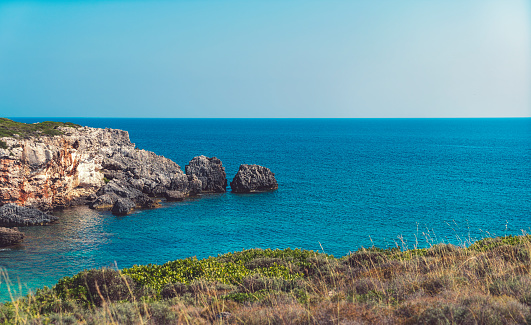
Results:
x,y
270,58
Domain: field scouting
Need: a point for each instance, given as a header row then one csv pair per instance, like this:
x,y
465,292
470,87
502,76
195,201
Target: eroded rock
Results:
x,y
210,172
13,215
10,236
123,206
253,178
104,202
174,196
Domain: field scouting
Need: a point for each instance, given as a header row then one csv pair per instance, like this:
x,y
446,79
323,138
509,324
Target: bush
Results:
x,y
9,128
96,287
365,258
161,313
172,290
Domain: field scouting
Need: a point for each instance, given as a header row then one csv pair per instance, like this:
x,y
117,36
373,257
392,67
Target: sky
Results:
x,y
268,58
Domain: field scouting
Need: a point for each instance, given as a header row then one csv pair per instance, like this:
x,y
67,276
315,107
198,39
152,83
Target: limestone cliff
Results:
x,y
86,166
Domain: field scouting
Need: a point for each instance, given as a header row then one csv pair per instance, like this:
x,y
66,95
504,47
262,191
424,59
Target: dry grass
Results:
x,y
486,283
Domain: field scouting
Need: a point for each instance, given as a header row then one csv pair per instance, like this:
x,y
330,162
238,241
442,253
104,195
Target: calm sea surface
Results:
x,y
343,184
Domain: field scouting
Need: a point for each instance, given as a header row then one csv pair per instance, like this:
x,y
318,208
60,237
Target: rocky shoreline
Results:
x,y
101,168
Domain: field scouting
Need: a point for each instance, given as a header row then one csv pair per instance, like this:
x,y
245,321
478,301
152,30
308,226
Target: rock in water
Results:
x,y
253,178
10,237
123,207
13,215
105,201
174,196
210,172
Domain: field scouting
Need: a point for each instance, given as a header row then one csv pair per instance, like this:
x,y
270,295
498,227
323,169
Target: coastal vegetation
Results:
x,y
9,128
488,282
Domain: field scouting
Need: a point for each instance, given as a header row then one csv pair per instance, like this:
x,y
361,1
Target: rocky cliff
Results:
x,y
98,167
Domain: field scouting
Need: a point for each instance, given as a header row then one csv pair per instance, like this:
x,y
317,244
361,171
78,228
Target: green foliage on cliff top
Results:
x,y
9,128
489,282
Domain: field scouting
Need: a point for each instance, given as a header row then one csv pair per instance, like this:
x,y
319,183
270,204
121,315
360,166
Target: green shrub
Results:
x,y
96,286
3,145
9,128
211,269
490,243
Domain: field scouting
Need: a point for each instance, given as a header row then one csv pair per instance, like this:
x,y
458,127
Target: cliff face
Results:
x,y
69,169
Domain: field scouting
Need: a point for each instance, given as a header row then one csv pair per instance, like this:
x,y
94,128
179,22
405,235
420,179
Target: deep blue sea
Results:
x,y
343,184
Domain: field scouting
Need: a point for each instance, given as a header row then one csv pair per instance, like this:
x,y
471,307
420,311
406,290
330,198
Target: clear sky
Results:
x,y
268,58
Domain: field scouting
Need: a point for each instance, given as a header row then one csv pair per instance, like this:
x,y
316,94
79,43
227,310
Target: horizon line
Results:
x,y
279,118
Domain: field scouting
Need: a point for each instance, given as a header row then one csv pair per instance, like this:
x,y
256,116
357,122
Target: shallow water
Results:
x,y
343,183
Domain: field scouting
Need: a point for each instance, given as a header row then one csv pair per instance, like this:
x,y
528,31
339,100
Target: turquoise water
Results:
x,y
343,183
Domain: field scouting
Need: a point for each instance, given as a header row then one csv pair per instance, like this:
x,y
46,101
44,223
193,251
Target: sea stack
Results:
x,y
210,172
253,178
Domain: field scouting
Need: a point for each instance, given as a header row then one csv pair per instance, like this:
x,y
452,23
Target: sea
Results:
x,y
343,184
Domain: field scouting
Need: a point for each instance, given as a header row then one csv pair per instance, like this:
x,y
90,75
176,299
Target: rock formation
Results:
x,y
96,167
10,236
123,206
174,196
50,172
13,215
210,172
253,178
102,168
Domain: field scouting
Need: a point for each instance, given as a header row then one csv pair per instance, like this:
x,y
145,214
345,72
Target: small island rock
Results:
x,y
253,178
10,237
12,215
210,172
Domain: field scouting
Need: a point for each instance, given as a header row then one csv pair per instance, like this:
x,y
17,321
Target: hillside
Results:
x,y
488,282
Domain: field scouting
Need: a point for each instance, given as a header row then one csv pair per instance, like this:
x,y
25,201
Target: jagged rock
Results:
x,y
210,172
253,178
10,237
194,185
174,195
14,215
120,188
123,206
144,201
104,202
